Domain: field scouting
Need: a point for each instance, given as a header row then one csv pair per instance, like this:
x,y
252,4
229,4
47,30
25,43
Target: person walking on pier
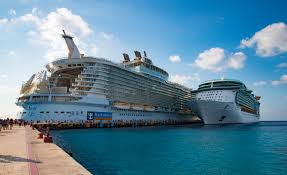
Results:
x,y
1,121
11,122
5,124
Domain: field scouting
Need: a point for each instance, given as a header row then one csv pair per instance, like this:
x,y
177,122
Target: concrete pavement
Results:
x,y
21,153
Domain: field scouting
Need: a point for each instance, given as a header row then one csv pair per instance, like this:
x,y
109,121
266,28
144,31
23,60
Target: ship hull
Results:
x,y
80,112
215,112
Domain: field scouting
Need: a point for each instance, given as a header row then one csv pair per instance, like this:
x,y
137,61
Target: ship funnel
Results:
x,y
126,58
138,55
73,49
145,54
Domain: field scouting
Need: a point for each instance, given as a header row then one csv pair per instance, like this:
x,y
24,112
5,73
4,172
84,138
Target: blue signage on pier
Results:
x,y
90,115
99,115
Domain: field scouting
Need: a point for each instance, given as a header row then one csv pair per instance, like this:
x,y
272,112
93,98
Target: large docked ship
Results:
x,y
225,101
78,88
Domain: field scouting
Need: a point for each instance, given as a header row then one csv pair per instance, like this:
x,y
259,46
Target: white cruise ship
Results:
x,y
225,101
79,88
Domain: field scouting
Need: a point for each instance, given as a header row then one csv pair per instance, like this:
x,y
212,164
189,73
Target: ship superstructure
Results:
x,y
90,88
225,101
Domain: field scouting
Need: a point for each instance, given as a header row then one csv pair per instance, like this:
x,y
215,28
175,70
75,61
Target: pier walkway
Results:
x,y
21,153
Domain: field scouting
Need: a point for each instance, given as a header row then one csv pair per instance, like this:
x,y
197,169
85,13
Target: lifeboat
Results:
x,y
137,107
149,108
121,105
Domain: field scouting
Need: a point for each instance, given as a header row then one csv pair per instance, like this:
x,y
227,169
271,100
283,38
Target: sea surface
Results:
x,y
195,149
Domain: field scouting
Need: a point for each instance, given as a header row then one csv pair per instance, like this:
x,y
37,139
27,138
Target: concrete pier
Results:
x,y
21,153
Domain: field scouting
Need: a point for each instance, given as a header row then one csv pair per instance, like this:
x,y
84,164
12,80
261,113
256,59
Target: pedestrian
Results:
x,y
1,124
4,124
11,123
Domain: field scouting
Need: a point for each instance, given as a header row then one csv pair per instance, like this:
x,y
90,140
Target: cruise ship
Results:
x,y
225,101
81,88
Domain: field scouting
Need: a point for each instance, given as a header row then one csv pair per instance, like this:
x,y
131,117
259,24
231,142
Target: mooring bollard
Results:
x,y
48,138
40,134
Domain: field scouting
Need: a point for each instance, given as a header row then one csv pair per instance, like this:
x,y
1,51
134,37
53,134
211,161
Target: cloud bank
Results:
x,y
282,80
259,83
175,58
216,60
186,80
46,30
270,41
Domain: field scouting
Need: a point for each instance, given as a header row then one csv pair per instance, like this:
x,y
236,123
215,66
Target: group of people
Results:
x,y
7,124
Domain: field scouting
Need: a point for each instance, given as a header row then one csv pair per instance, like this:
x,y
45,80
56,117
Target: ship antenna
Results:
x,y
64,32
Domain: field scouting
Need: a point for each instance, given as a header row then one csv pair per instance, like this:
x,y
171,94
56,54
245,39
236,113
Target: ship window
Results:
x,y
47,112
42,112
56,112
69,65
62,112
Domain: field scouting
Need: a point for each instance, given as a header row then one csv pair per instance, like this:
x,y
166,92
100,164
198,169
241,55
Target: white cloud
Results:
x,y
282,65
3,76
236,60
216,60
186,80
11,53
107,36
36,11
3,21
175,58
270,41
210,59
94,49
54,22
46,31
259,83
282,80
12,12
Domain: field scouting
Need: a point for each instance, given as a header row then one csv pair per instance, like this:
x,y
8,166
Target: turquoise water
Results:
x,y
230,149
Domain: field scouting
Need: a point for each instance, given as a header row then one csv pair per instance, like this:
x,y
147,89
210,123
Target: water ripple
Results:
x,y
223,150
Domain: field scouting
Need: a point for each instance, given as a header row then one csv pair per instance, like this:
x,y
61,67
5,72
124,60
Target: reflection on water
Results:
x,y
196,149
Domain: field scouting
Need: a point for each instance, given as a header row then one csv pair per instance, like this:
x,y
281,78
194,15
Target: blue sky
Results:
x,y
193,40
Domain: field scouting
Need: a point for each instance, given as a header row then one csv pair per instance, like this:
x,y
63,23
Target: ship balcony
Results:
x,y
83,85
83,82
84,92
94,72
80,90
98,81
